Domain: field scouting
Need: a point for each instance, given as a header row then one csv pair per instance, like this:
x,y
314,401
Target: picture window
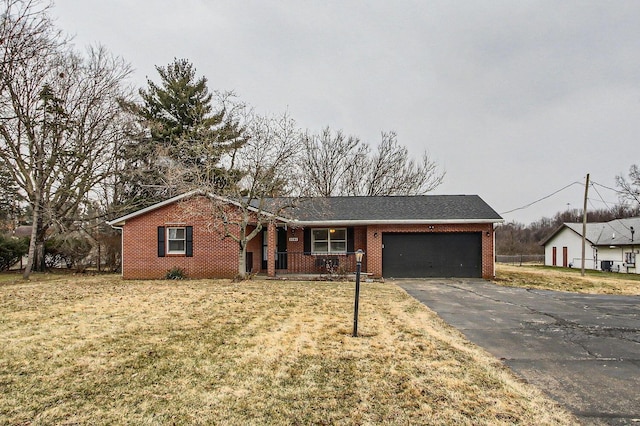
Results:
x,y
329,240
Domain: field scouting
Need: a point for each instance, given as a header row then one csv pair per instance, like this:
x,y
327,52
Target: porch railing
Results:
x,y
316,263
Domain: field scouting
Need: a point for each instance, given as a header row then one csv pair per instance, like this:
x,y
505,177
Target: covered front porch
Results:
x,y
288,251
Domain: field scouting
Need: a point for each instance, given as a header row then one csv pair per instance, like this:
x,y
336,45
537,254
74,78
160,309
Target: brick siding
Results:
x,y
214,256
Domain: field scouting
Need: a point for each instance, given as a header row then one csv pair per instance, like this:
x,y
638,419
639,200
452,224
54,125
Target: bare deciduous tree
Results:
x,y
268,165
59,118
263,168
26,30
330,160
338,165
630,188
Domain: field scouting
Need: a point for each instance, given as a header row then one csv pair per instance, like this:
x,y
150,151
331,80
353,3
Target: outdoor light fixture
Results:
x,y
375,235
359,255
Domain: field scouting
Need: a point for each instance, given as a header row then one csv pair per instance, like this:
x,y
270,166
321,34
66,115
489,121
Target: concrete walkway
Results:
x,y
582,350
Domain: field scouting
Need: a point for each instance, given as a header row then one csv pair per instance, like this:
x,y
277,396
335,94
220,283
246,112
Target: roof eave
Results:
x,y
303,223
121,221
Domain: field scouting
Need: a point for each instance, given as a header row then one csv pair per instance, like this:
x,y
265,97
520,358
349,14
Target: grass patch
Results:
x,y
567,279
99,350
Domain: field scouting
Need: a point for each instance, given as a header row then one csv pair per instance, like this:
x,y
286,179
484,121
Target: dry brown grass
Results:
x,y
566,279
105,351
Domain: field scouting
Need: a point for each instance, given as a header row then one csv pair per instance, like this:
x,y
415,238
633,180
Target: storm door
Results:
x,y
281,259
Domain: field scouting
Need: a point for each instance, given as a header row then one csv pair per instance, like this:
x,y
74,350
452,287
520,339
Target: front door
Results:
x,y
281,249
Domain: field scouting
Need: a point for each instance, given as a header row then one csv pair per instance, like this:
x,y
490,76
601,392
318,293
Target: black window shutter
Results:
x,y
350,240
189,241
161,235
307,240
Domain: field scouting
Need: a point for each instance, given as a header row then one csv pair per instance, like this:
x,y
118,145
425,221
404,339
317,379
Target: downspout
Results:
x,y
121,248
495,225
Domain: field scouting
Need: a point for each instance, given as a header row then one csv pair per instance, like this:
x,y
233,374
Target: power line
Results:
x,y
617,191
622,193
600,195
601,201
543,198
605,203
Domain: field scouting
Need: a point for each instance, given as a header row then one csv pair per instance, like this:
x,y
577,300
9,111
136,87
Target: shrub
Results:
x,y
11,250
176,274
69,252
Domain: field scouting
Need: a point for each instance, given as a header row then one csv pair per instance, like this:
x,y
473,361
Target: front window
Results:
x,y
329,240
176,238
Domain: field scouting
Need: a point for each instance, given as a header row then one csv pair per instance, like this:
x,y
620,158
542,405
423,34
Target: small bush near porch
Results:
x,y
99,350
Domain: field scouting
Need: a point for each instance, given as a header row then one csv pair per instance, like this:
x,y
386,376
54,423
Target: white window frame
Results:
x,y
175,238
328,241
630,258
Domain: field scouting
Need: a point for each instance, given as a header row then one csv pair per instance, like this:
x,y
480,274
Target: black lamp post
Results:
x,y
359,255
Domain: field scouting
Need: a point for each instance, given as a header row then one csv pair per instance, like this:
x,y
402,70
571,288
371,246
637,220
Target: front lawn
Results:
x,y
99,350
567,279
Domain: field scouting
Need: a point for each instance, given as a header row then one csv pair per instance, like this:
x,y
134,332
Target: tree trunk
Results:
x,y
31,257
39,261
242,260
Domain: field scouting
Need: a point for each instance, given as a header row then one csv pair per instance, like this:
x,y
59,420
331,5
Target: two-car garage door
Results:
x,y
432,255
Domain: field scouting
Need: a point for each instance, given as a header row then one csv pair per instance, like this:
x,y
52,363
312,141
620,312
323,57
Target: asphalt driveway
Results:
x,y
582,350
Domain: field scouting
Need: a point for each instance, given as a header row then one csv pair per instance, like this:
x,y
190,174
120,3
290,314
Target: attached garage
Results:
x,y
432,255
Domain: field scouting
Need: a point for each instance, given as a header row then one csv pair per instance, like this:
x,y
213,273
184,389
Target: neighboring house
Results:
x,y
22,231
403,236
609,246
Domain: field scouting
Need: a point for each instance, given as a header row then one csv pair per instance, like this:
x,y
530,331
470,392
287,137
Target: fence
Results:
x,y
521,259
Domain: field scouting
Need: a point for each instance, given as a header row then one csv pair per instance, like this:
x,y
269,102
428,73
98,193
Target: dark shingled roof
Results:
x,y
392,208
363,210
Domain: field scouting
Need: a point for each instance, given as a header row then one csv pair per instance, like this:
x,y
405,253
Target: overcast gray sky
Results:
x,y
514,99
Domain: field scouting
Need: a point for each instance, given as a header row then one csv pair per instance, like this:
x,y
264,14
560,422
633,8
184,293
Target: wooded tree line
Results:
x,y
516,238
78,145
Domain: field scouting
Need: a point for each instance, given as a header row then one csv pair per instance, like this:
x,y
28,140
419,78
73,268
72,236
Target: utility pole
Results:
x,y
584,223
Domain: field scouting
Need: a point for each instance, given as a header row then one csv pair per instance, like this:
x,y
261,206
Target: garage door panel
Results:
x,y
432,255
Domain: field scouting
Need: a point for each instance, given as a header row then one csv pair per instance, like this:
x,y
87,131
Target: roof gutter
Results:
x,y
303,223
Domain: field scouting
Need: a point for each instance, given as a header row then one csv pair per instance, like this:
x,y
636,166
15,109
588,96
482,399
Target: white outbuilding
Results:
x,y
609,246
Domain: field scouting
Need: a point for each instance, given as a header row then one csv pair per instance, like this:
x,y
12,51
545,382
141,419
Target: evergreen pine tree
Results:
x,y
181,138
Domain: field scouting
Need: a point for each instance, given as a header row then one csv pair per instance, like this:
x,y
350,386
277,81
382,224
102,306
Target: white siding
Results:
x,y
573,242
594,255
615,254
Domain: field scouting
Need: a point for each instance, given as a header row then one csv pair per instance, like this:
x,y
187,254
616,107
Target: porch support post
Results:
x,y
374,251
271,249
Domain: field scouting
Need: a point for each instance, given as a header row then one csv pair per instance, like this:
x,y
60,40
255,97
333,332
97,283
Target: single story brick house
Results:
x,y
402,236
609,246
